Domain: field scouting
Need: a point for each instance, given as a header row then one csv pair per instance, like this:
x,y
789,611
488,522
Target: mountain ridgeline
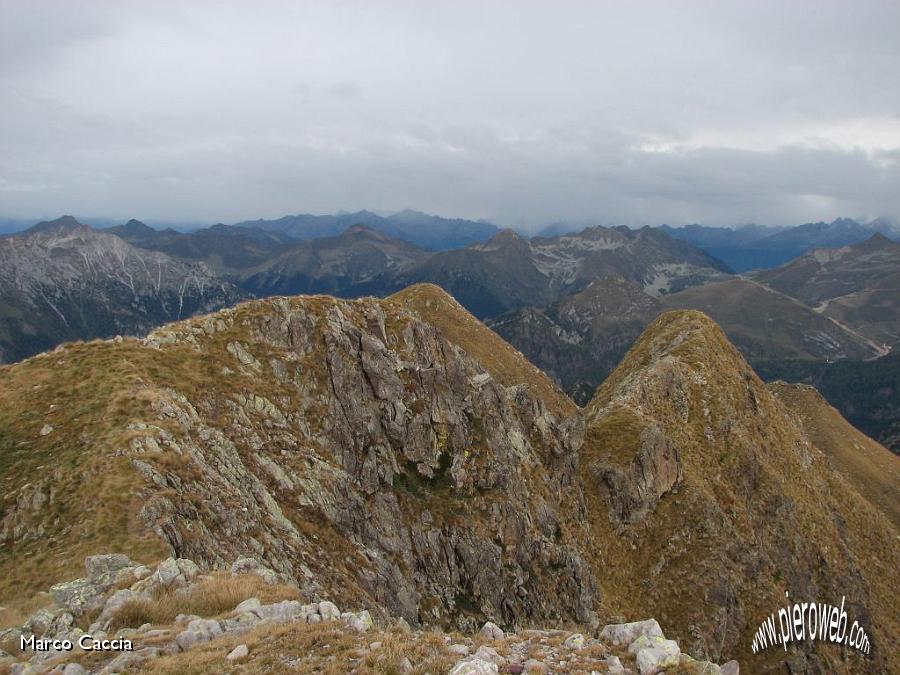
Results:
x,y
67,281
62,281
396,455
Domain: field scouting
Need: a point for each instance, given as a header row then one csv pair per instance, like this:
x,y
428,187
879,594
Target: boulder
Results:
x,y
575,641
197,632
359,621
114,603
653,660
474,666
329,611
238,653
247,605
645,642
625,633
78,596
99,565
492,631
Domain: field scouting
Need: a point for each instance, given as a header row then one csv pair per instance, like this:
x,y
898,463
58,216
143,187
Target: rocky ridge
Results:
x,y
117,595
444,491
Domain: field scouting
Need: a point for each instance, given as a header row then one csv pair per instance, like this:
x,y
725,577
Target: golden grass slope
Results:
x,y
873,470
759,511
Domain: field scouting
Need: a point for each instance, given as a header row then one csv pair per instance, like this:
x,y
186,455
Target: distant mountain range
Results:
x,y
489,278
62,281
424,230
755,247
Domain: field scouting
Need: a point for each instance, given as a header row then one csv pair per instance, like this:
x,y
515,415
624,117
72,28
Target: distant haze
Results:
x,y
522,113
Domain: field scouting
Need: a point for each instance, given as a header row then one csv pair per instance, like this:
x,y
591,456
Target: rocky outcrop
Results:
x,y
639,646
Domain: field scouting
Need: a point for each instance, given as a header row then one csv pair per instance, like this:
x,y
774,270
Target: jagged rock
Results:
x,y
248,565
169,573
39,622
360,621
23,669
653,660
625,633
78,596
458,650
238,653
197,632
329,611
99,565
575,641
730,668
492,631
614,665
644,642
74,669
46,430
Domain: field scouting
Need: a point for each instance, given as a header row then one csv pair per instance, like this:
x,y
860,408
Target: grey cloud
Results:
x,y
635,113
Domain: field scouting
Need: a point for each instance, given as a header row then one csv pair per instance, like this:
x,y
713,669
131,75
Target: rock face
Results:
x,y
354,448
65,281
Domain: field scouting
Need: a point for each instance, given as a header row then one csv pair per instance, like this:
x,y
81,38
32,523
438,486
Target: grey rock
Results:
x,y
329,611
474,666
360,621
625,633
197,632
492,631
730,668
98,565
575,641
614,665
78,596
653,660
247,605
127,660
238,653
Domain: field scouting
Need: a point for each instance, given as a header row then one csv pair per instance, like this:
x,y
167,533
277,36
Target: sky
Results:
x,y
522,113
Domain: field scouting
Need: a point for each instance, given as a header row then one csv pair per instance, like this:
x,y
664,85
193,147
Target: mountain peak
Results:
x,y
61,224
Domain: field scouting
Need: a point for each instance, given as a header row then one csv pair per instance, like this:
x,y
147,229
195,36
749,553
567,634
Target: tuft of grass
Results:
x,y
217,595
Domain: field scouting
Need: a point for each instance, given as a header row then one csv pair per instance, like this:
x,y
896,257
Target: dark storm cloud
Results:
x,y
523,113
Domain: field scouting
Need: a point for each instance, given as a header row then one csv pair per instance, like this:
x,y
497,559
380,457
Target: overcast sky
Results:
x,y
523,113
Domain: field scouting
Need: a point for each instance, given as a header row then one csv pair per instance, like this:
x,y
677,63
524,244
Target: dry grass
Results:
x,y
327,648
869,466
212,597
